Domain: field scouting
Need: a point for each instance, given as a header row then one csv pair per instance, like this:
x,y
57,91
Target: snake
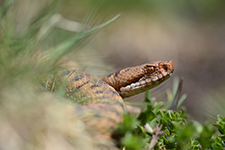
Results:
x,y
102,105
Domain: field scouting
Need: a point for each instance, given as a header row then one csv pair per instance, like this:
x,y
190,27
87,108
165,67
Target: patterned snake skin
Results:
x,y
102,105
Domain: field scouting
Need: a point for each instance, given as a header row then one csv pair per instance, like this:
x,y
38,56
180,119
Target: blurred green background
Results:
x,y
191,33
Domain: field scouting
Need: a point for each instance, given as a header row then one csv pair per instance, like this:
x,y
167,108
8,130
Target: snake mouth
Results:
x,y
142,85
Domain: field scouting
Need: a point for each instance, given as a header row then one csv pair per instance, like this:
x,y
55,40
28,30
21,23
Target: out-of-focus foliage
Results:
x,y
30,117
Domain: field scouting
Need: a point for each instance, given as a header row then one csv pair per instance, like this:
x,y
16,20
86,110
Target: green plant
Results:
x,y
174,129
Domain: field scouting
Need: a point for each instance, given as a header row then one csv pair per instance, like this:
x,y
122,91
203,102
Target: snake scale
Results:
x,y
102,106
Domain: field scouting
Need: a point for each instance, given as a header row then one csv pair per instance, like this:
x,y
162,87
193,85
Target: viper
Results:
x,y
102,105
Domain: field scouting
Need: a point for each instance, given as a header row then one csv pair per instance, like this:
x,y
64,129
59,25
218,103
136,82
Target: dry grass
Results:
x,y
30,117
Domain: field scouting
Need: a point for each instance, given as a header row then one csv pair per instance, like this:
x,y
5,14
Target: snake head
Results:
x,y
134,80
158,68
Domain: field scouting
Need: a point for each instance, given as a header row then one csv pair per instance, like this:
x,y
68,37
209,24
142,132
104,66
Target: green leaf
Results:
x,y
5,7
220,124
206,135
174,91
186,132
146,116
130,122
64,82
181,100
133,142
148,96
157,106
53,83
198,126
220,118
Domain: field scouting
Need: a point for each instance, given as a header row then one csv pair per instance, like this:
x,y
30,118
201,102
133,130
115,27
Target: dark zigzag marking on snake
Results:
x,y
111,102
104,108
77,88
96,85
126,69
114,92
116,74
77,78
82,110
109,75
66,73
100,98
99,91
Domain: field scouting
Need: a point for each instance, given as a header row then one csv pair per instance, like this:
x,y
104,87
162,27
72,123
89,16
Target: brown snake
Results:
x,y
103,106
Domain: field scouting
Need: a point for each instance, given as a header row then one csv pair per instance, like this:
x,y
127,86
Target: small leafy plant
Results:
x,y
159,128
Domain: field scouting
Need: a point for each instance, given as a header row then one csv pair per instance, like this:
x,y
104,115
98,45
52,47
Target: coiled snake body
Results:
x,y
102,100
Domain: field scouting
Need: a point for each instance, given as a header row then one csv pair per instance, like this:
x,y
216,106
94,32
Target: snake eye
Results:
x,y
150,69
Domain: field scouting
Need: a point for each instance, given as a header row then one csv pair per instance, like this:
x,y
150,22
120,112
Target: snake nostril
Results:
x,y
165,67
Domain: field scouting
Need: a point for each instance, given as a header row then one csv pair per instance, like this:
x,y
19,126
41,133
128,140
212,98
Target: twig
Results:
x,y
156,133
